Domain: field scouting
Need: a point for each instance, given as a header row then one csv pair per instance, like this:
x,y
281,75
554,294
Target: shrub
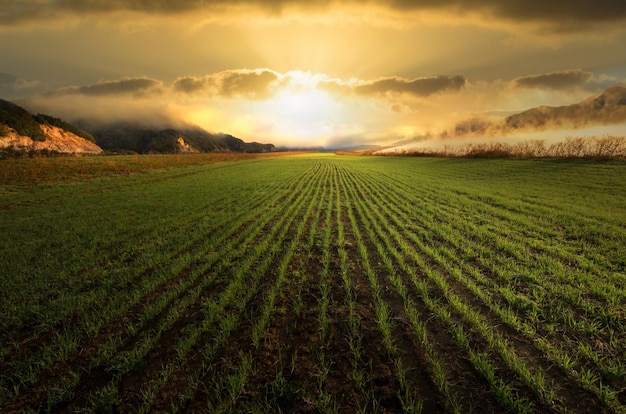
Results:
x,y
12,152
606,147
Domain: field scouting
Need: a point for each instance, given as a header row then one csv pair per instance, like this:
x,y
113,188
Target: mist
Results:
x,y
439,143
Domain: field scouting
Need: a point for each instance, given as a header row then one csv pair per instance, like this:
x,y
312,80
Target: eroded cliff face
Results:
x,y
57,140
185,148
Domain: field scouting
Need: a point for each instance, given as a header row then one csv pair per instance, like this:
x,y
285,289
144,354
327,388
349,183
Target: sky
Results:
x,y
307,73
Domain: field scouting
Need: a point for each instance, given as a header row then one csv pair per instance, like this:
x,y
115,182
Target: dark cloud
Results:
x,y
193,84
556,12
555,80
139,86
253,84
420,87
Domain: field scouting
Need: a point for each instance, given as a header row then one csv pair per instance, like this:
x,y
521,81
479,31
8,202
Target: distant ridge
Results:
x,y
22,132
128,137
608,108
605,109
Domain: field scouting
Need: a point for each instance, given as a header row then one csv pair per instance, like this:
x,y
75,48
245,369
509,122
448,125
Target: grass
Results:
x,y
312,282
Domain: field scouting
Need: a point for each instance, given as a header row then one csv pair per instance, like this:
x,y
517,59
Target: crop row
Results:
x,y
318,283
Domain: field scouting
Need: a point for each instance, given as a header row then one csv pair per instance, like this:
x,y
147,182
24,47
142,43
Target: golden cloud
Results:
x,y
554,80
389,86
137,86
251,84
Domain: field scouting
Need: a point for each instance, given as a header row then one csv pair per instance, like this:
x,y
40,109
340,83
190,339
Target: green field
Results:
x,y
314,283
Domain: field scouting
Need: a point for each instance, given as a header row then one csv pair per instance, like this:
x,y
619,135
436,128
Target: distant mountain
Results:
x,y
21,131
608,108
126,137
605,109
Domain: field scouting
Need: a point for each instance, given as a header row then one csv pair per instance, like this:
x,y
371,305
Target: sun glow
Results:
x,y
299,109
304,106
296,112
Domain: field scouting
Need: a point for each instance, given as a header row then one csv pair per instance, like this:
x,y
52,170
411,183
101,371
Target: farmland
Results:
x,y
315,283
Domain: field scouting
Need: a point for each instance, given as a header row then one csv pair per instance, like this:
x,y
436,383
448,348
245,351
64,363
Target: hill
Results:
x,y
127,137
605,109
21,132
608,108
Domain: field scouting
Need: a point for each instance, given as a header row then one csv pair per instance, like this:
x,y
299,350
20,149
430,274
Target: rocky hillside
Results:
x,y
56,140
20,131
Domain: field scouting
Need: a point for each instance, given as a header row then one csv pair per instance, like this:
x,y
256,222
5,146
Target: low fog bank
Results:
x,y
599,143
441,142
98,113
531,131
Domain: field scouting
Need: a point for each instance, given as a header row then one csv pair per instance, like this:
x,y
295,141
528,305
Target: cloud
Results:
x,y
556,11
261,84
12,86
419,87
560,13
137,86
555,80
107,109
252,84
7,79
194,84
